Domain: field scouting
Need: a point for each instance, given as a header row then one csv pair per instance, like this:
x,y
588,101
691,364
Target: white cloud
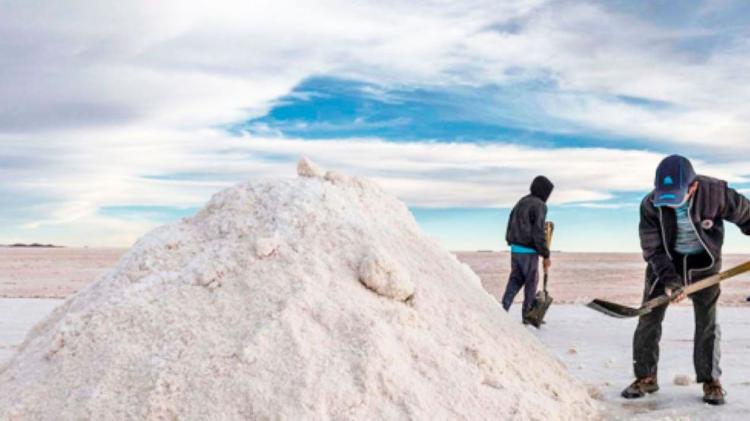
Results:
x,y
439,174
423,174
180,64
96,97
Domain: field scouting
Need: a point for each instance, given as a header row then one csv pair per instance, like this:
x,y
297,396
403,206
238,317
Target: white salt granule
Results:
x,y
265,246
595,392
683,380
215,318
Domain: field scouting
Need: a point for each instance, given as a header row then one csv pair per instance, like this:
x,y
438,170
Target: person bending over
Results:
x,y
682,232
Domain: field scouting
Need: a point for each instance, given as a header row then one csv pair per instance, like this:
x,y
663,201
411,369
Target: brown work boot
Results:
x,y
713,393
640,387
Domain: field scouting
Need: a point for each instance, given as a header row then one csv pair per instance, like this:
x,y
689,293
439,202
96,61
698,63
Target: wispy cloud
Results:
x,y
125,106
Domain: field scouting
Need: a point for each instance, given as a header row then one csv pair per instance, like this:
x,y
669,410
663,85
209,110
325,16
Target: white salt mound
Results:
x,y
308,298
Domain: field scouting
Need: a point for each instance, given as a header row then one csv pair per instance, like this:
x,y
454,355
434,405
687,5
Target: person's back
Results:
x,y
526,237
523,224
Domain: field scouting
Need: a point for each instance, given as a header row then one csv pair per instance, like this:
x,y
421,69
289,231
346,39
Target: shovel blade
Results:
x,y
617,310
539,308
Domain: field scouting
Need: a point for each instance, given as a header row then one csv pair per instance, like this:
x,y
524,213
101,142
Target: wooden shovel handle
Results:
x,y
715,279
549,228
702,284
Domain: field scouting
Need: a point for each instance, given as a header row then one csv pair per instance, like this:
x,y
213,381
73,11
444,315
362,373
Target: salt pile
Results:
x,y
307,298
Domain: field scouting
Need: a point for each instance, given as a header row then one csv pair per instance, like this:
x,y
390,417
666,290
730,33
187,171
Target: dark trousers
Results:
x,y
524,273
706,349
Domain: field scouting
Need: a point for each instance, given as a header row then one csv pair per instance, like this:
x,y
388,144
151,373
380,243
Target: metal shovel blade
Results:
x,y
617,310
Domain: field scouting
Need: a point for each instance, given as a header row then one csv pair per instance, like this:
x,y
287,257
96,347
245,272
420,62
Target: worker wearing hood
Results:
x,y
526,237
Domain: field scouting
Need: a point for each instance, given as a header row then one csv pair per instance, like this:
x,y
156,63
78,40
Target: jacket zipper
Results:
x,y
663,234
713,261
653,286
666,249
684,271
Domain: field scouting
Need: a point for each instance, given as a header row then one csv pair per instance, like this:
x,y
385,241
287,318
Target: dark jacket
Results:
x,y
526,222
712,203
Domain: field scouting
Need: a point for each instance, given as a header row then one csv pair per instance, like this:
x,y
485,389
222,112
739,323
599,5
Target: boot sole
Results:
x,y
715,402
636,396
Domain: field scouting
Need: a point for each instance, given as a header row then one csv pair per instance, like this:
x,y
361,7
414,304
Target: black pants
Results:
x,y
524,273
706,350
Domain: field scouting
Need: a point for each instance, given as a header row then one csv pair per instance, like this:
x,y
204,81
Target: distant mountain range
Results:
x,y
31,245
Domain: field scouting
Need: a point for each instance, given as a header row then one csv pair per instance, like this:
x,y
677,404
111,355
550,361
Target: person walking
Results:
x,y
527,240
682,232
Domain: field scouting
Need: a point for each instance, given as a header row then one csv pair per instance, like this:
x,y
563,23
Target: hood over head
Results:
x,y
541,187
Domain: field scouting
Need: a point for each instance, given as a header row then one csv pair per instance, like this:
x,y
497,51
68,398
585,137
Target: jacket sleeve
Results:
x,y
538,233
737,210
652,245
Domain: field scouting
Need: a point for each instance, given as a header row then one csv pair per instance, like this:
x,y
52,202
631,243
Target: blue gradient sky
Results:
x,y
113,121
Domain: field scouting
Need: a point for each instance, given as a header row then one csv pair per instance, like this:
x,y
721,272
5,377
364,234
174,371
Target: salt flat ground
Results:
x,y
579,277
575,277
51,272
17,317
595,348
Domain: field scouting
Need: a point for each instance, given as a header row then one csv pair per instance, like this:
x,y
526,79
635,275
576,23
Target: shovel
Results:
x,y
623,312
543,300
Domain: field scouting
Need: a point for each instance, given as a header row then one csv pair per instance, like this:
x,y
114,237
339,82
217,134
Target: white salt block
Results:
x,y
307,168
380,273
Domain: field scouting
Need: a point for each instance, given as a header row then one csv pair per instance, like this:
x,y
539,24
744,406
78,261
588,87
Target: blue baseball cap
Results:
x,y
673,178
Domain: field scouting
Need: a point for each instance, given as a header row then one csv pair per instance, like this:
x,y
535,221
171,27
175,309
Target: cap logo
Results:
x,y
668,181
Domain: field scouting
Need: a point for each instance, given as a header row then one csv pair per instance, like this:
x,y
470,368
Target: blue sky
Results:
x,y
331,108
114,121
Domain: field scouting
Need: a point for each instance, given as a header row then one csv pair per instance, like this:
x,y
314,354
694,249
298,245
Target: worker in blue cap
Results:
x,y
682,231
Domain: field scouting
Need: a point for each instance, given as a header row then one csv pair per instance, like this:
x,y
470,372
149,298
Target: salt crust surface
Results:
x,y
309,298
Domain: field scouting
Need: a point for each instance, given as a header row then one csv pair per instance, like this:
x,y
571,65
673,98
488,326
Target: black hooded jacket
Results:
x,y
526,222
713,203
